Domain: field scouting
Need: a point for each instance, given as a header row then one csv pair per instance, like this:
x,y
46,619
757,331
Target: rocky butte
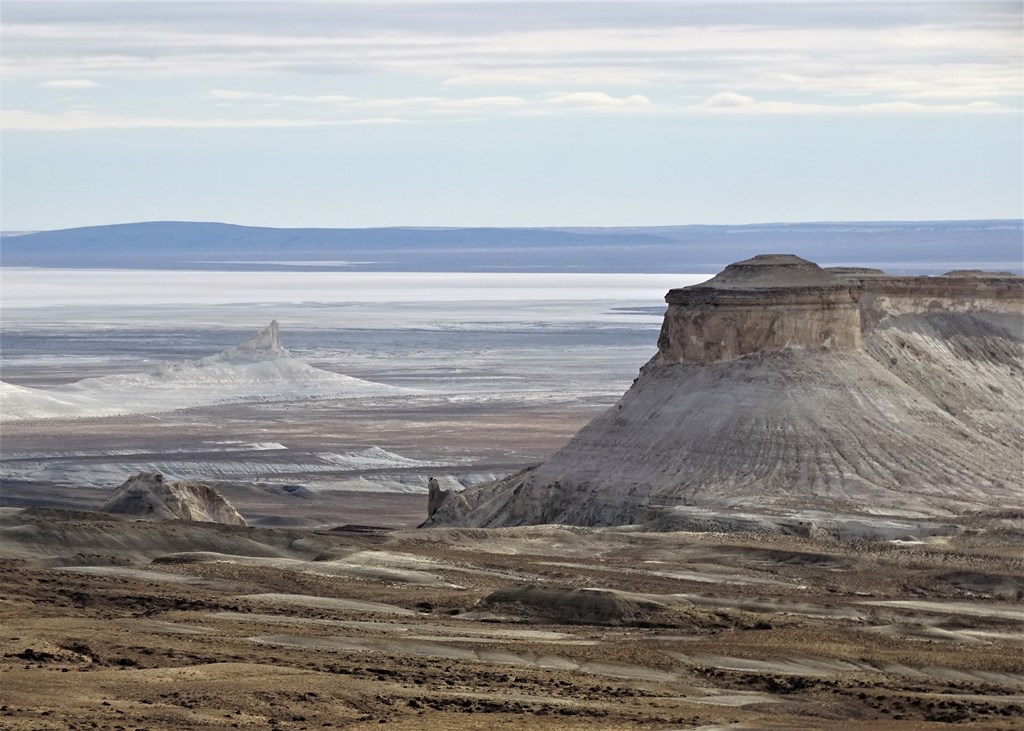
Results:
x,y
149,496
788,396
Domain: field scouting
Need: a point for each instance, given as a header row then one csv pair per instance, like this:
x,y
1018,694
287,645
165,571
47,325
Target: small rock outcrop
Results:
x,y
148,495
435,496
779,388
264,345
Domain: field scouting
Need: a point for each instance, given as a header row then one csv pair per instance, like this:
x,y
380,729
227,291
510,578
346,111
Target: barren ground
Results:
x,y
119,624
116,624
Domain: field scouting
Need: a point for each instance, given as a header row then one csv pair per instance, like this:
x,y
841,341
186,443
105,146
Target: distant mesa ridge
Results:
x,y
782,386
907,246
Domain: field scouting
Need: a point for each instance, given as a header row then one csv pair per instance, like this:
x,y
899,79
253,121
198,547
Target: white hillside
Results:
x,y
259,369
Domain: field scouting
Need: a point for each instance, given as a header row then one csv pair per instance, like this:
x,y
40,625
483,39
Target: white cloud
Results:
x,y
728,102
598,99
728,99
988,107
608,76
69,84
803,55
230,95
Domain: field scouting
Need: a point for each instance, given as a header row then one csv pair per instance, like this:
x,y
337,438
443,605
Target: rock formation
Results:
x,y
760,304
780,386
435,496
258,369
264,345
148,495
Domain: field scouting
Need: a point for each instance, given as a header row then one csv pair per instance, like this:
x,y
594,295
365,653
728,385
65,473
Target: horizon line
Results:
x,y
25,232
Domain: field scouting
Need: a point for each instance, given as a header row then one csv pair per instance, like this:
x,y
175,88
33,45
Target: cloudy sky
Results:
x,y
489,112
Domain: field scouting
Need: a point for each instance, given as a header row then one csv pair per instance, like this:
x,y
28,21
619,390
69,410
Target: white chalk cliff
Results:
x,y
780,386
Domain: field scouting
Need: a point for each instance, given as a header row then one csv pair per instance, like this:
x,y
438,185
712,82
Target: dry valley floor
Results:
x,y
108,623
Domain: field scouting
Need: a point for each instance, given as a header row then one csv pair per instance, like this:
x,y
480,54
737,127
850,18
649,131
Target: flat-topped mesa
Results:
x,y
780,388
769,302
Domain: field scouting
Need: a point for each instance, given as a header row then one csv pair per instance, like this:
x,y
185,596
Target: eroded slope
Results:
x,y
918,416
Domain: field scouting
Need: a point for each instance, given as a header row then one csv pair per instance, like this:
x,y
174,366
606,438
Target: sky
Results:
x,y
356,113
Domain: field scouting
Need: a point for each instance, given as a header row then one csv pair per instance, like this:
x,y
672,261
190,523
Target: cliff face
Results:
x,y
780,386
150,496
761,304
991,296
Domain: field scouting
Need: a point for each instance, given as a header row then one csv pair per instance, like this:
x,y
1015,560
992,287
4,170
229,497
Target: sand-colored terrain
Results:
x,y
114,623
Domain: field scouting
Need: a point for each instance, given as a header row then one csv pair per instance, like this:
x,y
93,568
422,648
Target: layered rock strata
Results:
x,y
779,386
764,303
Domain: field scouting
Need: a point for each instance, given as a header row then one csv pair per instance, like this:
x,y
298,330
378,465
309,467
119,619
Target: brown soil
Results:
x,y
688,630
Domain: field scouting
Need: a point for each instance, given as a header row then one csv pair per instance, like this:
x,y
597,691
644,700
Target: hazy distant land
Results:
x,y
926,247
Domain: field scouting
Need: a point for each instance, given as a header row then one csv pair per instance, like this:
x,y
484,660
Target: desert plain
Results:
x,y
331,609
118,623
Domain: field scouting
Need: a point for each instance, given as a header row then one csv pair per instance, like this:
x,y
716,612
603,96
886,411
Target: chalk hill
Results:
x,y
780,386
259,369
149,495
